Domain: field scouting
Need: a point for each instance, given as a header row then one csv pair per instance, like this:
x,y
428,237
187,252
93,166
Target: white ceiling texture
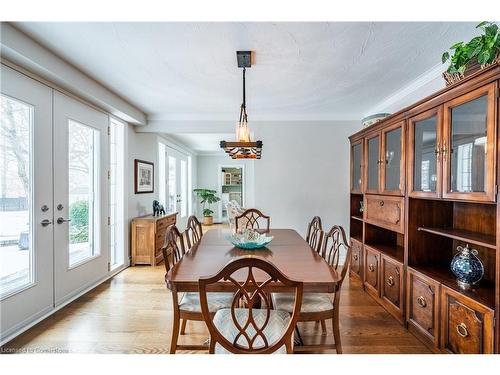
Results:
x,y
182,74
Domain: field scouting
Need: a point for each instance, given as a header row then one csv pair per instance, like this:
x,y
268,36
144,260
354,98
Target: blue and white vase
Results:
x,y
467,267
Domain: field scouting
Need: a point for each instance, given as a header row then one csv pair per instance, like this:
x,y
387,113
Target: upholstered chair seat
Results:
x,y
273,331
191,301
311,302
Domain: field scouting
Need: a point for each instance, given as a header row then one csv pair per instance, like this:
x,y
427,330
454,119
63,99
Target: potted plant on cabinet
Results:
x,y
478,53
207,197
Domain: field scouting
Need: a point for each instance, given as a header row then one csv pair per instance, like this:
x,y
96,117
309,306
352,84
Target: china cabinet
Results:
x,y
384,160
428,187
452,148
424,163
468,145
357,166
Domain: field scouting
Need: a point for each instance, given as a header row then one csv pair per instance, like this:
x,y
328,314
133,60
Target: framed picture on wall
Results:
x,y
144,172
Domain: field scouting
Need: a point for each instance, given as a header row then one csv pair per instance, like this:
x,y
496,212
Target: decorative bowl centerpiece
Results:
x,y
249,239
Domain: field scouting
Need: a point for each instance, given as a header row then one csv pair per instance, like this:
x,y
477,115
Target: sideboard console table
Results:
x,y
148,237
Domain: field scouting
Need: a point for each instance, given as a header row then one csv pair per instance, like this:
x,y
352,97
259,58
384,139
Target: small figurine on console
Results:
x,y
158,208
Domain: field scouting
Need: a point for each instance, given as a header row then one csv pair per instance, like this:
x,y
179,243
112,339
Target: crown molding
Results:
x,y
424,85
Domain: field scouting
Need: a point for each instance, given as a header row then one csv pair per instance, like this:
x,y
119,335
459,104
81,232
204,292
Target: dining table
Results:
x,y
288,251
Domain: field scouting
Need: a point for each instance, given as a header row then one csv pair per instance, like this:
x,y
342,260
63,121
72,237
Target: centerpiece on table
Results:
x,y
249,239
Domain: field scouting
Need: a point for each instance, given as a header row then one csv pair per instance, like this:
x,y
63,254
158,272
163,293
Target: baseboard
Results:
x,y
38,317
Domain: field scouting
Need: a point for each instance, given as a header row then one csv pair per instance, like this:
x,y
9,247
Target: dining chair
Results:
x,y
315,234
233,209
249,330
250,219
187,307
194,231
323,306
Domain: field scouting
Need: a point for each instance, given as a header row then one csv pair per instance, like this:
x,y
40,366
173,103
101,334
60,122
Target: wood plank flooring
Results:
x,y
132,313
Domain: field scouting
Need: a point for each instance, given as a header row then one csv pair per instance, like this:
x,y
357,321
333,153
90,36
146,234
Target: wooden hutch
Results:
x,y
424,181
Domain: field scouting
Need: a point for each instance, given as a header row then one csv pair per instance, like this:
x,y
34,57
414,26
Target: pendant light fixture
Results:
x,y
243,148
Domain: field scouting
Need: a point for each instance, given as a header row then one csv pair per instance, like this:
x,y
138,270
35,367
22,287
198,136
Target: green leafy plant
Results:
x,y
484,49
207,196
79,216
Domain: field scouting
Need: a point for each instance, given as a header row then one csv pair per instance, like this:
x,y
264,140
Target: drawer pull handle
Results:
x,y
371,268
421,302
381,203
355,257
462,330
390,281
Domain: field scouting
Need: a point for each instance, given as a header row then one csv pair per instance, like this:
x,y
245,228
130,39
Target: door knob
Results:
x,y
45,222
60,220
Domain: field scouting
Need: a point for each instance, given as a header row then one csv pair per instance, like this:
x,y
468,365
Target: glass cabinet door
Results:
x,y
372,163
424,176
356,168
392,160
468,147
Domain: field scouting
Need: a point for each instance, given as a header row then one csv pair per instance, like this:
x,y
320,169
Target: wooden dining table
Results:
x,y
288,251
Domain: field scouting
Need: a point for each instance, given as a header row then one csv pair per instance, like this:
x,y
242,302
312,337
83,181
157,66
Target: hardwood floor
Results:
x,y
131,313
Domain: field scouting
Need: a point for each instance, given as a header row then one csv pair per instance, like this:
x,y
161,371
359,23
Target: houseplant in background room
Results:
x,y
479,53
207,197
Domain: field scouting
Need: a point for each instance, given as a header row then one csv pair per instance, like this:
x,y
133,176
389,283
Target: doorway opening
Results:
x,y
231,188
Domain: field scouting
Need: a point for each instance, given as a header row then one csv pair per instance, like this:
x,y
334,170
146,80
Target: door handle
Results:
x,y
45,222
60,220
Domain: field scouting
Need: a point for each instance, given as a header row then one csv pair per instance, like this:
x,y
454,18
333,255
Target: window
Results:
x,y
16,187
83,191
116,198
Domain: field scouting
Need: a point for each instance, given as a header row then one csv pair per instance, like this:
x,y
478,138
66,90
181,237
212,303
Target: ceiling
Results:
x,y
303,71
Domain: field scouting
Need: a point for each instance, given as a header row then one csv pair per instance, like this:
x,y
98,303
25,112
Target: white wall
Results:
x,y
304,171
144,146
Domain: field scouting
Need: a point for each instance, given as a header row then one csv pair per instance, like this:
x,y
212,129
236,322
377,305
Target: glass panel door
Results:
x,y
468,151
83,144
81,187
372,163
424,176
356,168
172,184
392,160
16,231
177,185
26,208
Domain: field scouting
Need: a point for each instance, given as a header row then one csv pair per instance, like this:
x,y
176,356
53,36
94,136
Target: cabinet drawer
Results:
x,y
371,270
467,326
391,286
422,306
160,236
385,211
356,256
164,223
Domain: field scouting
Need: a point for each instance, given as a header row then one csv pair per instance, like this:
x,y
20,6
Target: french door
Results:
x,y
54,186
81,160
26,209
177,185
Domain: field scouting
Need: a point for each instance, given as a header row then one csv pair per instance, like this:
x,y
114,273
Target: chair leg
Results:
x,y
289,347
211,346
183,326
323,327
175,326
336,331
